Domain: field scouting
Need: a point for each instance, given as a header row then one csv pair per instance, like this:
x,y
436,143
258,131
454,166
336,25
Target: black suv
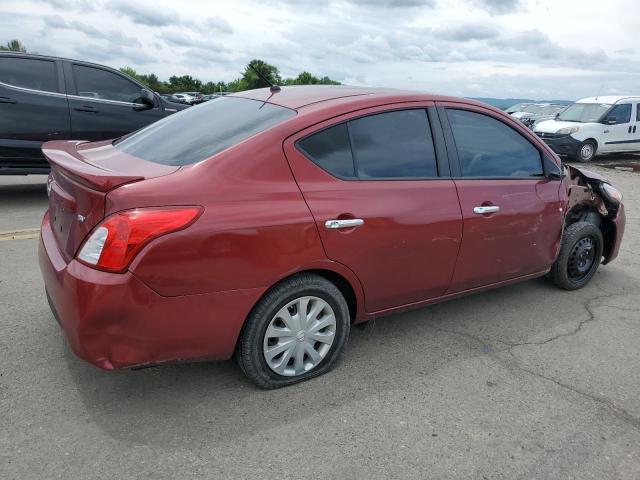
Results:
x,y
48,98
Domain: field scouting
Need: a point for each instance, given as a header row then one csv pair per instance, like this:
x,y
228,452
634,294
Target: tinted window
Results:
x,y
394,145
330,149
96,83
202,131
28,73
638,112
620,113
489,148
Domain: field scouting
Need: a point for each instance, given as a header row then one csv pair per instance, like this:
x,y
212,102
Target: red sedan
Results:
x,y
264,224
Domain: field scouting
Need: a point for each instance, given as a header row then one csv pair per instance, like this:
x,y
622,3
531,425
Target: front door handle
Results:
x,y
7,100
487,209
350,223
86,108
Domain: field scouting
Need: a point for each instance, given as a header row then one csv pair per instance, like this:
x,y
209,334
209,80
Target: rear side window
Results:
x,y
96,83
489,148
394,145
620,113
638,112
200,132
331,150
29,73
388,145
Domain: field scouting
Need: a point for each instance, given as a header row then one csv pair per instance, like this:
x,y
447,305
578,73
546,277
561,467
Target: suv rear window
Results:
x,y
30,73
200,132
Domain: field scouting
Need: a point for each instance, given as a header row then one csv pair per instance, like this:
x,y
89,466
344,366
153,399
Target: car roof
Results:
x,y
304,96
608,99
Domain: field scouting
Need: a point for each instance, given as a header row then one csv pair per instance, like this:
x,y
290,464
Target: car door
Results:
x,y
33,110
512,213
105,104
618,129
380,193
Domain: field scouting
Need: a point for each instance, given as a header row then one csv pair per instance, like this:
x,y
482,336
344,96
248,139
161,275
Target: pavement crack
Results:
x,y
617,411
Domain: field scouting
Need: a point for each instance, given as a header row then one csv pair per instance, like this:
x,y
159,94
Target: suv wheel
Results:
x,y
579,257
296,331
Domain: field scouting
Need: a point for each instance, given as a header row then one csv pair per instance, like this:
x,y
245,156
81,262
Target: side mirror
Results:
x,y
610,121
557,115
147,100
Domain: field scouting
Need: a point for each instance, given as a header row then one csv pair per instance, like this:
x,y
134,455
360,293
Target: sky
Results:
x,y
540,49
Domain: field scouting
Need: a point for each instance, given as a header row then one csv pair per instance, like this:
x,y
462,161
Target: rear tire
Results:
x,y
278,324
579,257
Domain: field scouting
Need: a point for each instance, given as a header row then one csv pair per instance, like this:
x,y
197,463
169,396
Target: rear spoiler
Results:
x,y
64,158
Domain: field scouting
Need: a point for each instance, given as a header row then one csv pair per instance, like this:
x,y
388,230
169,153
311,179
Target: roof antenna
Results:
x,y
272,87
599,91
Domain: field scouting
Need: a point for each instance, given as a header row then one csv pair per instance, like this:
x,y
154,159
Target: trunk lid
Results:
x,y
82,174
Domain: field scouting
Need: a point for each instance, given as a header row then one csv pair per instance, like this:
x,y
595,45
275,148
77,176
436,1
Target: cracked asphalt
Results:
x,y
523,382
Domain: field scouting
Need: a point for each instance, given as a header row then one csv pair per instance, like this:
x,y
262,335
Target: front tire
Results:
x,y
579,257
586,151
295,332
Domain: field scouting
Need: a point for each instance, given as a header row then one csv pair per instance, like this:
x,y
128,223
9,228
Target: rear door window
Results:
x,y
489,148
200,132
638,112
389,145
102,84
394,145
29,73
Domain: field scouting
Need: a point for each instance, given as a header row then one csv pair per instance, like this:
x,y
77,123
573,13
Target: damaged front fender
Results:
x,y
585,202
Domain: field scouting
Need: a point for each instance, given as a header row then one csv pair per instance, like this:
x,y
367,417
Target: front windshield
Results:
x,y
584,112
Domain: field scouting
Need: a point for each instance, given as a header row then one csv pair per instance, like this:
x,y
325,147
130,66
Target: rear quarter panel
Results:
x,y
255,229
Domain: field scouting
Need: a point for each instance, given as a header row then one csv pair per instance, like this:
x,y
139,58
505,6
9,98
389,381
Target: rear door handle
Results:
x,y
7,100
350,223
86,108
487,209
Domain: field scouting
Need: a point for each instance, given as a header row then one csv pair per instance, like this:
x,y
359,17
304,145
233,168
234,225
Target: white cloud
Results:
x,y
523,48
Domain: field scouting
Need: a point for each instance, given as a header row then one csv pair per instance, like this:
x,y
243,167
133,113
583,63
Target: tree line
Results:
x,y
248,80
186,83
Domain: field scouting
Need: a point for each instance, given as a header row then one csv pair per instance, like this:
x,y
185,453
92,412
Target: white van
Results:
x,y
594,125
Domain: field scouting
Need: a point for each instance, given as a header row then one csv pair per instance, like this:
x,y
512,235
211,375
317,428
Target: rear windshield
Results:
x,y
199,132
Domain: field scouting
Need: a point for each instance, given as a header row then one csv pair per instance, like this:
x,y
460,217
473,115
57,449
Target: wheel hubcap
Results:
x,y
299,336
582,258
586,151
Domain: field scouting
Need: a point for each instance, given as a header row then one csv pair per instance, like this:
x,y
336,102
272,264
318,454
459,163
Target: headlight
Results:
x,y
568,130
611,193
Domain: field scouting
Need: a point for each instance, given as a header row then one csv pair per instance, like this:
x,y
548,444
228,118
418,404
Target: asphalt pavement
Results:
x,y
523,382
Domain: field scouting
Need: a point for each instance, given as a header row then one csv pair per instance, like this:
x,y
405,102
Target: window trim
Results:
x,y
452,148
56,73
101,100
440,157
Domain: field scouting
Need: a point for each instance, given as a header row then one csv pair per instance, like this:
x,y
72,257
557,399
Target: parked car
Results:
x,y
168,97
184,98
593,126
48,98
518,107
539,112
263,225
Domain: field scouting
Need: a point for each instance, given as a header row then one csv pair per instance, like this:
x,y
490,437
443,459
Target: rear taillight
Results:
x,y
115,242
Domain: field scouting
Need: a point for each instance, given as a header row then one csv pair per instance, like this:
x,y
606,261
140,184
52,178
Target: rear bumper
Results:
x,y
565,145
618,224
116,320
